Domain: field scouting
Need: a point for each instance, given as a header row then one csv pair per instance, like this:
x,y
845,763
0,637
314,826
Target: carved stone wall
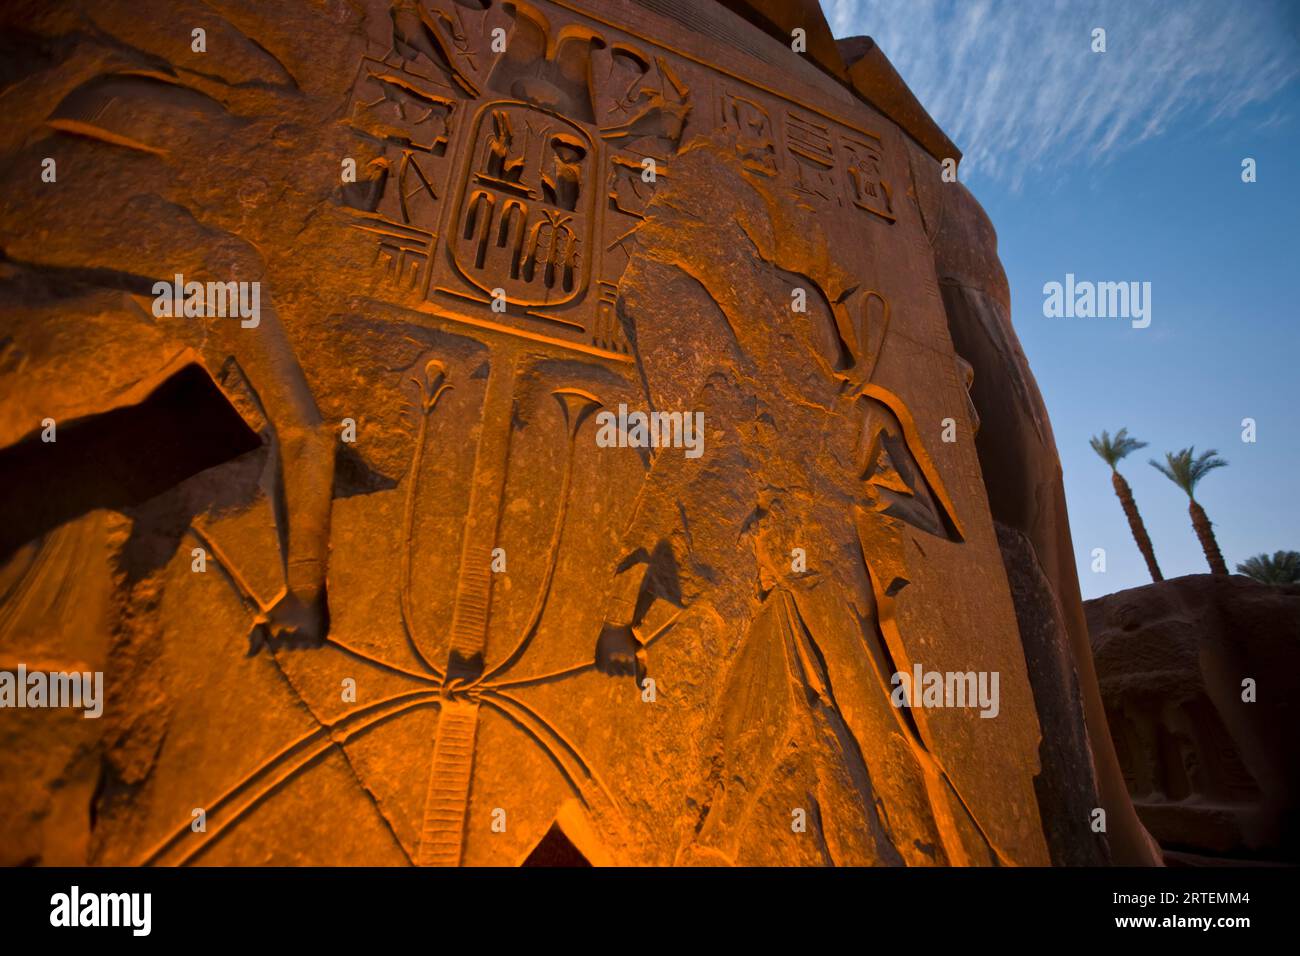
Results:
x,y
1198,675
466,631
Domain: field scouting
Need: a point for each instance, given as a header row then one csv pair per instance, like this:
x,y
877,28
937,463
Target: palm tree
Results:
x,y
1282,568
1112,450
1185,469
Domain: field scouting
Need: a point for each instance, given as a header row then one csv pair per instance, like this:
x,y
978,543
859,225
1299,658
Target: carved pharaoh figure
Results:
x,y
479,634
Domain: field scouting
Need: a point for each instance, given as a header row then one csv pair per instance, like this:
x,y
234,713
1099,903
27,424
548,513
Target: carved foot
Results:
x,y
295,621
619,652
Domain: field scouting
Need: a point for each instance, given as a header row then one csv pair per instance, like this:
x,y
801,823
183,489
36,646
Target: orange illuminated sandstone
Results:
x,y
364,583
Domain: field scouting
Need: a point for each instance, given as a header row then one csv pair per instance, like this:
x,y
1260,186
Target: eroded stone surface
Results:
x,y
1198,678
432,645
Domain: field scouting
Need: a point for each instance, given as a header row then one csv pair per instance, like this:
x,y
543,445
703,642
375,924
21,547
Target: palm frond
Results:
x,y
1282,567
1205,463
1185,468
1113,450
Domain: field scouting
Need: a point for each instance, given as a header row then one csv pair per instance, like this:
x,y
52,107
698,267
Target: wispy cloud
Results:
x,y
1016,85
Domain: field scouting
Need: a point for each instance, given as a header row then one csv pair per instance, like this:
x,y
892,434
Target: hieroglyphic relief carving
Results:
x,y
900,477
641,109
752,127
608,333
641,103
393,105
864,159
820,161
630,189
574,108
449,671
812,145
520,231
398,192
836,167
638,103
453,36
524,171
577,110
524,221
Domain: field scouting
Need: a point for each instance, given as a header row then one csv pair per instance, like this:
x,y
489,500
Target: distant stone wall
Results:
x,y
509,432
1200,677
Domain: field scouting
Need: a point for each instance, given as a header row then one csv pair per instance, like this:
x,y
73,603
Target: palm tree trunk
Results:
x,y
1205,532
1135,524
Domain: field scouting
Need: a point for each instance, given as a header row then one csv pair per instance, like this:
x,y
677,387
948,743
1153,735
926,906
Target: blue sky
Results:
x,y
1126,166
